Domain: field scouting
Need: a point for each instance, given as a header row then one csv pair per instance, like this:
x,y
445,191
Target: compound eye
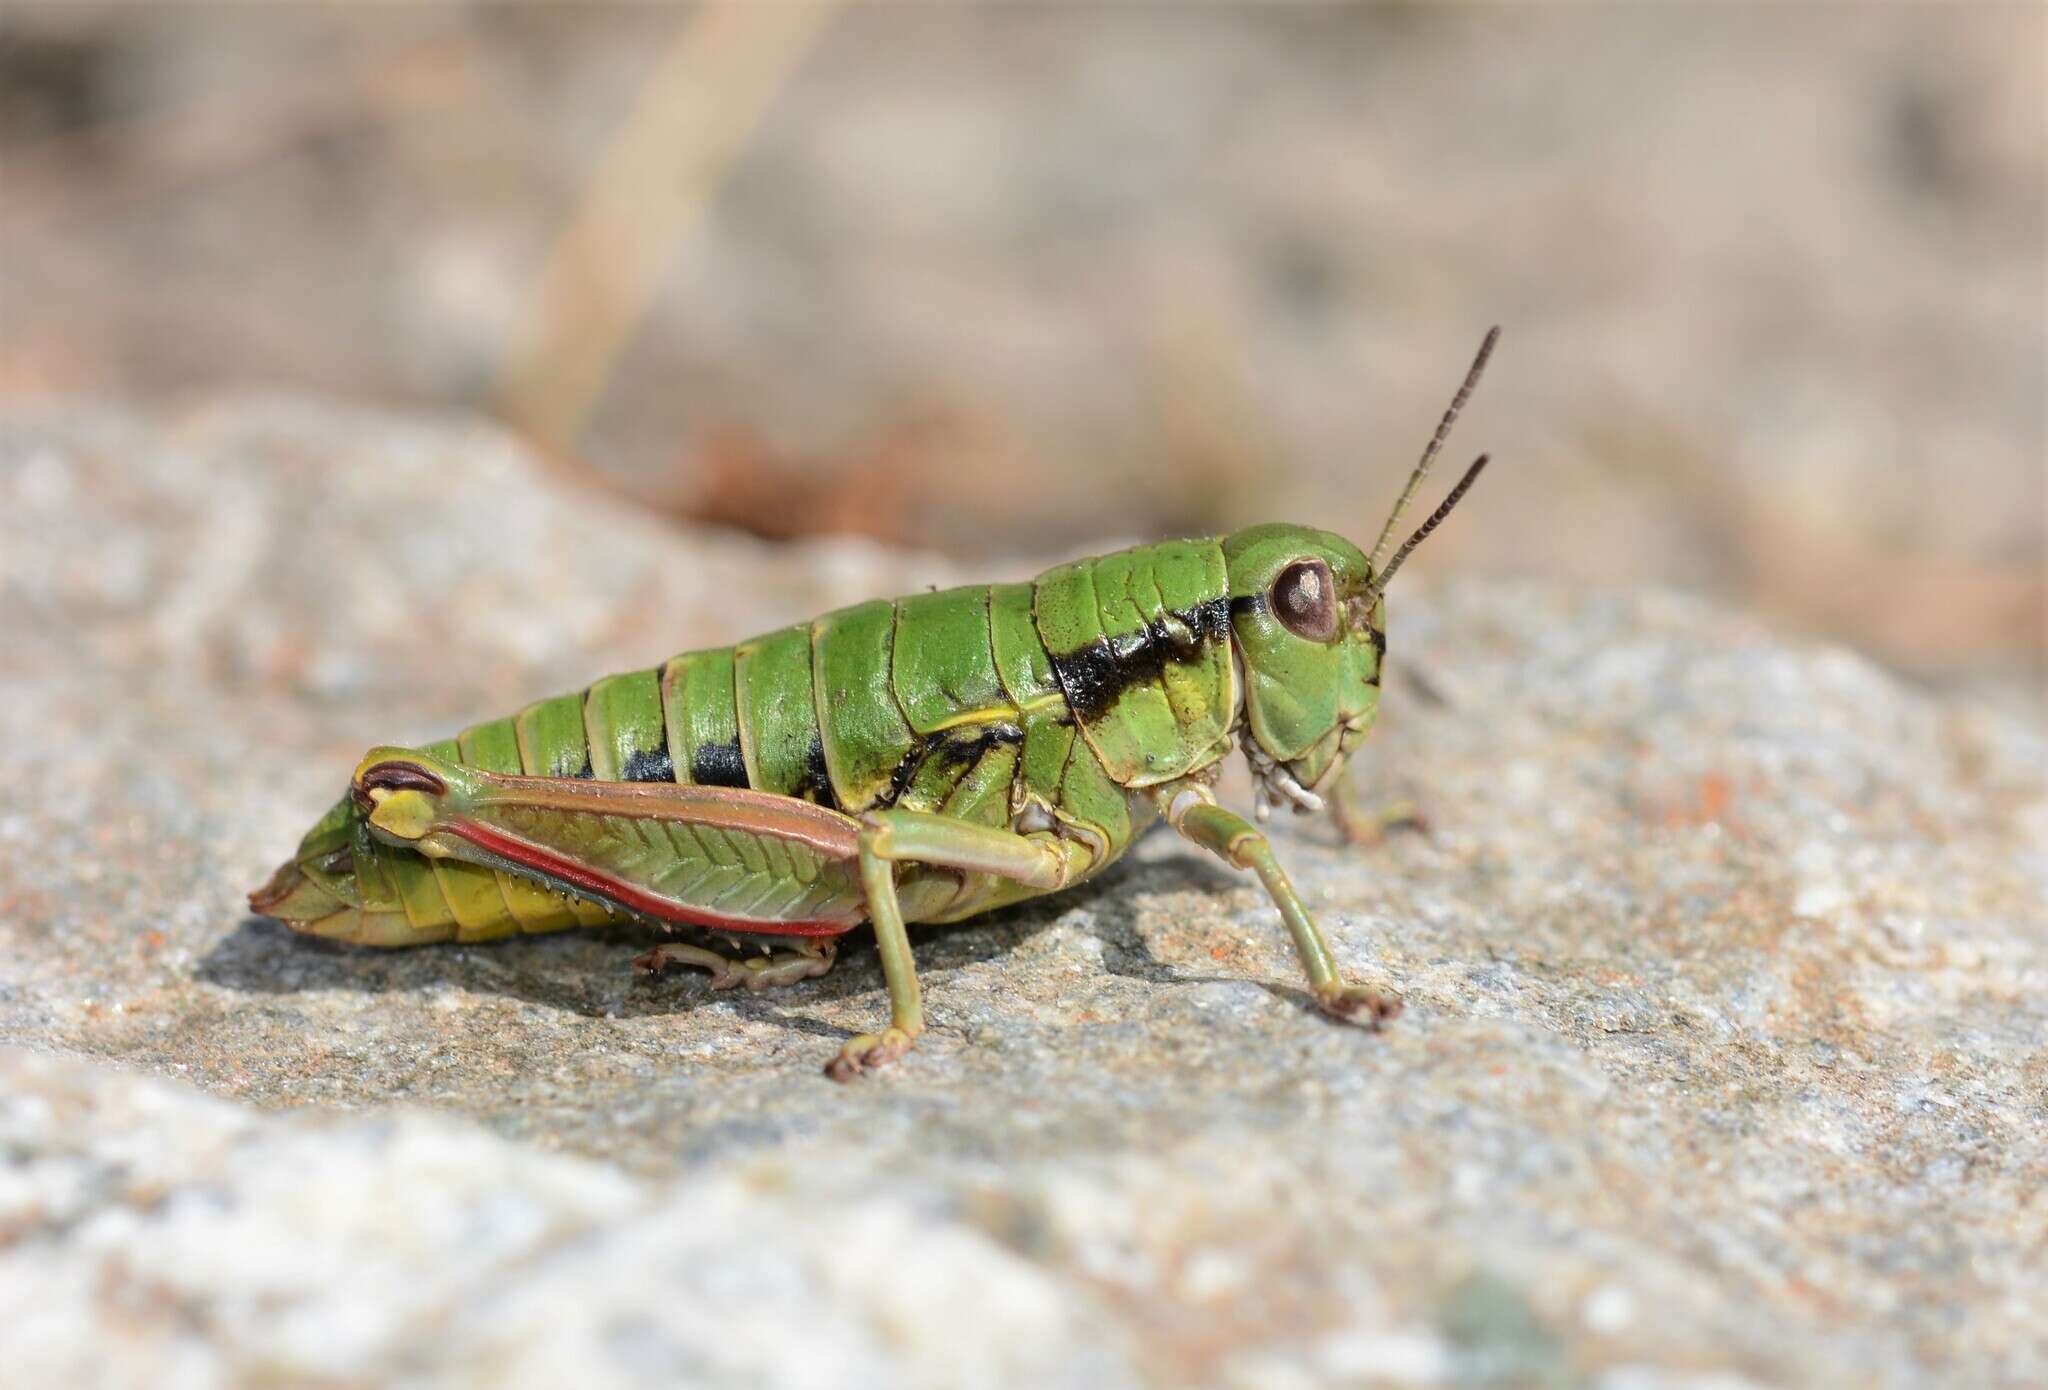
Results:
x,y
1305,600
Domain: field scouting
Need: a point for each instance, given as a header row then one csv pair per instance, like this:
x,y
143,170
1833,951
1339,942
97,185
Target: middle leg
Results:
x,y
890,838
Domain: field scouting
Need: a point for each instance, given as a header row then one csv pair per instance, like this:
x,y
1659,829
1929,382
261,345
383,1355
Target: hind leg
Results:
x,y
809,960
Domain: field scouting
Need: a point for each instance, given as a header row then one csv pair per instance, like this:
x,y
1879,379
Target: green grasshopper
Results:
x,y
916,760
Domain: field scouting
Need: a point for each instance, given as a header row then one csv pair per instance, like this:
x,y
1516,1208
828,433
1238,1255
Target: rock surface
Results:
x,y
1725,1061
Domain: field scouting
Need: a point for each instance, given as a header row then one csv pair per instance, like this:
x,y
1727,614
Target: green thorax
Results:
x,y
1139,643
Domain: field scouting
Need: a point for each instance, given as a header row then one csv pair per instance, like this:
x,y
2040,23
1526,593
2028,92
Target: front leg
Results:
x,y
1361,824
1237,842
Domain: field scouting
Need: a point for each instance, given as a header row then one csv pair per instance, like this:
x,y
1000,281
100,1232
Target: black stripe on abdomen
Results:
x,y
718,765
817,777
649,764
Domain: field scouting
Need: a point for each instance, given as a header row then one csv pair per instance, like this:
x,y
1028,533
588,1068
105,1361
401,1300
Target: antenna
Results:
x,y
1443,431
1379,580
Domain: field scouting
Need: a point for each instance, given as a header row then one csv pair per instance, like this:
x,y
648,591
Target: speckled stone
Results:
x,y
1725,1061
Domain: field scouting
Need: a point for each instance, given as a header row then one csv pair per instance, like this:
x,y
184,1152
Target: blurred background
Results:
x,y
1006,281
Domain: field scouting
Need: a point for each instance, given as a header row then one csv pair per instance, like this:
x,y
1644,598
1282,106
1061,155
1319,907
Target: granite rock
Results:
x,y
1725,1059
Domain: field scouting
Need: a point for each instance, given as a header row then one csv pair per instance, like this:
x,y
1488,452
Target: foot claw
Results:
x,y
723,975
1375,827
650,962
867,1052
1368,1008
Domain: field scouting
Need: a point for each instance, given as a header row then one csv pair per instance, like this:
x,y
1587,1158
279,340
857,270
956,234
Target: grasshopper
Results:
x,y
922,759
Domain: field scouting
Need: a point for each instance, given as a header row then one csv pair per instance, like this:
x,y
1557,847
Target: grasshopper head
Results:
x,y
1308,619
1309,633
